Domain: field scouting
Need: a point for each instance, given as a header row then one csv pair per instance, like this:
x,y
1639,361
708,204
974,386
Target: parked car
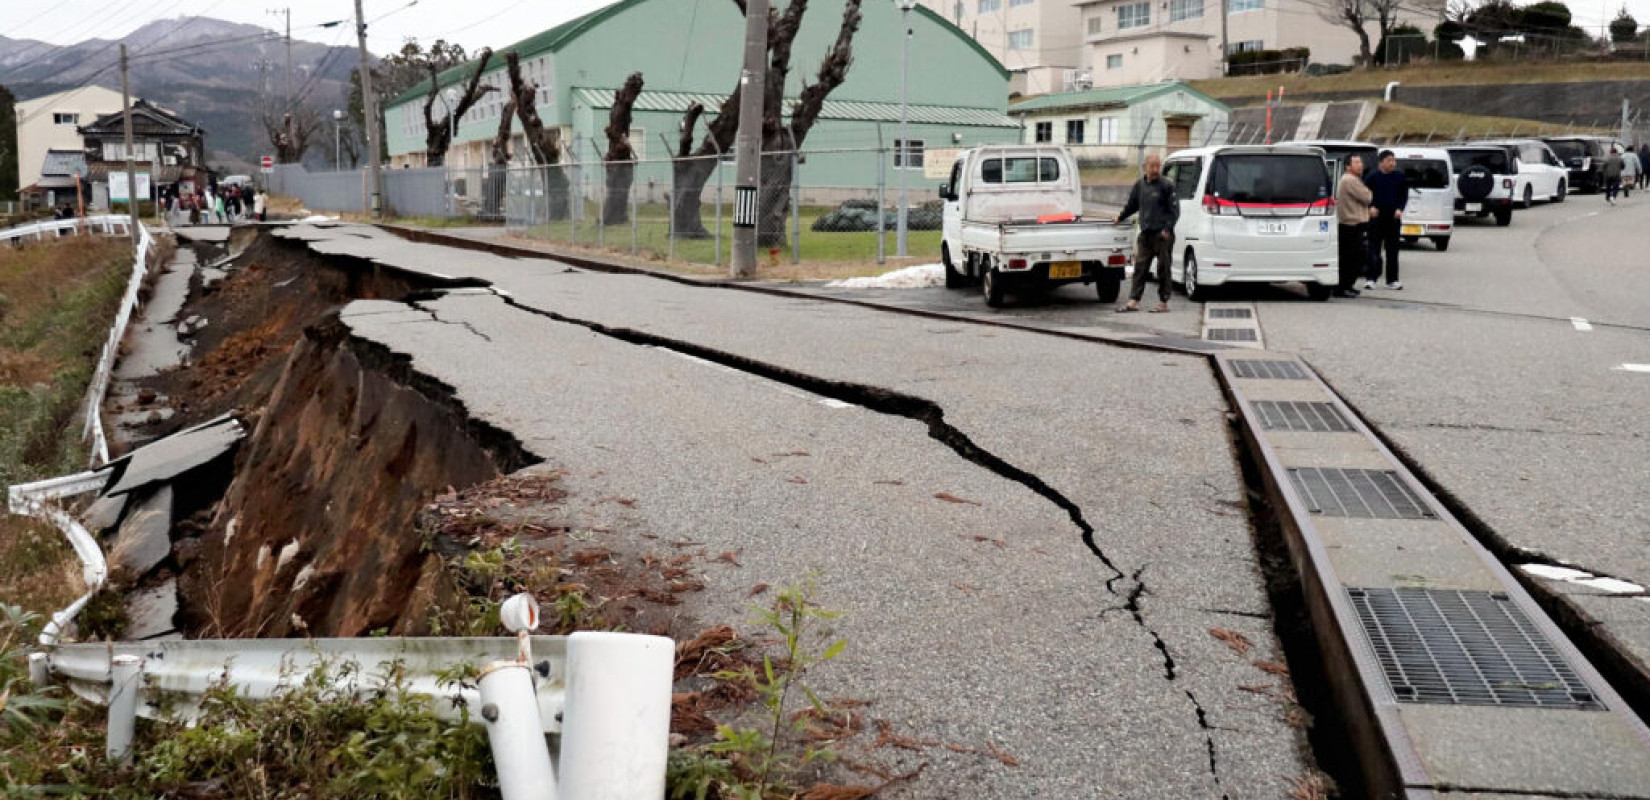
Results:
x,y
1430,211
1584,156
1254,214
1545,177
1013,219
1484,179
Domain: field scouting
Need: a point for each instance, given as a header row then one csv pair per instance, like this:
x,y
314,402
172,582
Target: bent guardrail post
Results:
x,y
616,724
514,732
125,679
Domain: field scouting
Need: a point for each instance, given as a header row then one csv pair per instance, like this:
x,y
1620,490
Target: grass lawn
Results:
x,y
1440,74
1396,119
56,301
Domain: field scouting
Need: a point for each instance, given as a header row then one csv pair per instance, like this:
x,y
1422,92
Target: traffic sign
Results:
x,y
266,164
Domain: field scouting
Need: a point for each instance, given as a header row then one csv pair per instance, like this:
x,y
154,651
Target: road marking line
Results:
x,y
1633,368
1581,324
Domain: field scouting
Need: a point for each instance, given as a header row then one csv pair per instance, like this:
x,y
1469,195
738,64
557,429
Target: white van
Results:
x,y
1430,211
1541,176
1254,214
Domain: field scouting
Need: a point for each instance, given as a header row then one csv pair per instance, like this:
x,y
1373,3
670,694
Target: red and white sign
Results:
x,y
266,164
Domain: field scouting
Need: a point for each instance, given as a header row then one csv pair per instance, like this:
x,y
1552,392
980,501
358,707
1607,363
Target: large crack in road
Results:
x,y
930,414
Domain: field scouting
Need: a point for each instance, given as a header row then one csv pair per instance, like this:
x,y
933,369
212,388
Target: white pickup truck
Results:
x,y
1014,220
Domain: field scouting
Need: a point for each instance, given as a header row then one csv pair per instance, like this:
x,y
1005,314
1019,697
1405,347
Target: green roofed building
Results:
x,y
1125,123
690,51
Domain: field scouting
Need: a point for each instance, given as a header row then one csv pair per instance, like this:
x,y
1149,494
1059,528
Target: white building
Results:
x,y
1038,41
52,123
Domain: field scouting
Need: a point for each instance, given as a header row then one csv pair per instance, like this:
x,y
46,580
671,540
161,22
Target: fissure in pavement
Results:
x,y
885,401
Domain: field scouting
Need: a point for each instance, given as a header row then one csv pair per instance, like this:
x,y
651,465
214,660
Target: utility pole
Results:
x,y
903,146
131,173
369,110
1225,46
748,144
288,13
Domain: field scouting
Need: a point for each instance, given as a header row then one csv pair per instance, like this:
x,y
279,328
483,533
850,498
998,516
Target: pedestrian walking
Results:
x,y
1154,197
258,204
1353,212
1612,175
1390,194
1631,171
218,209
1644,165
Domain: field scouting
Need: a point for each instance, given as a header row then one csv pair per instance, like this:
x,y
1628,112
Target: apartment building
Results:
x,y
1129,42
53,122
1038,41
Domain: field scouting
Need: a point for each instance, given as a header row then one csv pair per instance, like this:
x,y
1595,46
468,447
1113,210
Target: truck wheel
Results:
x,y
1109,285
993,285
1318,291
953,278
1503,217
1440,242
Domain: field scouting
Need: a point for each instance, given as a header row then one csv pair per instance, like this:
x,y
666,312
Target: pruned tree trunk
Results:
x,y
693,168
621,157
438,134
493,188
543,144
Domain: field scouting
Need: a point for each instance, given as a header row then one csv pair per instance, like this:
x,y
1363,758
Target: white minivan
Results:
x,y
1430,211
1259,214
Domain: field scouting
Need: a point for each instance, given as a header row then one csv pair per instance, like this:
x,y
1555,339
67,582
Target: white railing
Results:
x,y
99,387
107,224
34,500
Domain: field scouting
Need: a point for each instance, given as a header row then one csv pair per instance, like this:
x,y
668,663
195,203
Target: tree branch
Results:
x,y
833,70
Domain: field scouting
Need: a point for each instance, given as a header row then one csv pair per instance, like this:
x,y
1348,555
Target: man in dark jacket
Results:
x,y
1391,194
1644,165
1154,197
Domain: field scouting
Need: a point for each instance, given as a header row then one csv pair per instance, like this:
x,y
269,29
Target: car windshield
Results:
x,y
1019,170
1425,173
1269,178
1337,155
1493,160
1569,148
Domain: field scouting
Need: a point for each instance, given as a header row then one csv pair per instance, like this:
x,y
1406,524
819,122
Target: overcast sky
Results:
x,y
472,23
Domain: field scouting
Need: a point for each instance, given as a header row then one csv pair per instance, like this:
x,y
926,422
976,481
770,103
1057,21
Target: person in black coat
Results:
x,y
1390,189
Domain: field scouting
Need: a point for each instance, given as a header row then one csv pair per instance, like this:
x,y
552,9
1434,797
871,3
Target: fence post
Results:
x,y
601,196
796,204
633,213
575,192
882,224
616,726
125,674
510,712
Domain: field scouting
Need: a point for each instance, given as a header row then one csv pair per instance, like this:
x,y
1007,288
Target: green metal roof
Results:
x,y
678,102
553,39
1109,96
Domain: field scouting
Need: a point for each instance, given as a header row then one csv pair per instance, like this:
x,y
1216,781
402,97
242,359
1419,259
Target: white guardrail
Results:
x,y
111,224
111,348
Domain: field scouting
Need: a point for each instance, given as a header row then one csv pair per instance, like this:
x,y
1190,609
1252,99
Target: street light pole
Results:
x,y
338,140
904,146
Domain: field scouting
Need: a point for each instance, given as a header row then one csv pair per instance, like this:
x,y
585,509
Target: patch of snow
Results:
x,y
1555,573
318,218
1612,585
920,276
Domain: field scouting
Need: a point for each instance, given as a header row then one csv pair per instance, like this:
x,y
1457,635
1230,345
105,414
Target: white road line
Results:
x,y
1633,368
1581,324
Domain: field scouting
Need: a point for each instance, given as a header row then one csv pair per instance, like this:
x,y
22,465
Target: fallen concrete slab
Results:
x,y
144,539
174,455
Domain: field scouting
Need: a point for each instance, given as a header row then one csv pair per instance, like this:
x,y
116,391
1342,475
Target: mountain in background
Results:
x,y
220,75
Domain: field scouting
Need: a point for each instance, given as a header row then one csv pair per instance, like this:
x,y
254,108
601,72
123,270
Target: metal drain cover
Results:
x,y
1230,313
1267,369
1466,648
1230,335
1296,415
1367,493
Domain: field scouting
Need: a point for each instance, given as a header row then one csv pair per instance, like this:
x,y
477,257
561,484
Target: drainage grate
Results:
x,y
1368,493
1230,313
1295,415
1268,370
1230,335
1466,648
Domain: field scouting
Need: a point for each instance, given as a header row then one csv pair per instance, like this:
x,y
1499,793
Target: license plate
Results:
x,y
1412,230
1065,269
1475,206
1272,228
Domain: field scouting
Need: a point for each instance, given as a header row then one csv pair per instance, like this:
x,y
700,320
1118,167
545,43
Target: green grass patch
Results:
x,y
1452,73
1398,122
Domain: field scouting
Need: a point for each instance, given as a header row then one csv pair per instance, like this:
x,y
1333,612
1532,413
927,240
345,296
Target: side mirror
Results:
x,y
945,192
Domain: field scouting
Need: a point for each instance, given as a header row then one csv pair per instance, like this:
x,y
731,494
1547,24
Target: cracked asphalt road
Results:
x,y
980,622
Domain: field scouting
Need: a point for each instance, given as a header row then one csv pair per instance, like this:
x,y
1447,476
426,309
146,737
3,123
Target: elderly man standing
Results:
x,y
1353,212
1154,197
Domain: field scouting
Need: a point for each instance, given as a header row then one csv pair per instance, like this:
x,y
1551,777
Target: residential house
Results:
x,y
166,150
1122,124
1038,41
52,123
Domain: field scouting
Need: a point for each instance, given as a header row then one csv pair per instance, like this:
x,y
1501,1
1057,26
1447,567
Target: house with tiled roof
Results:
x,y
166,148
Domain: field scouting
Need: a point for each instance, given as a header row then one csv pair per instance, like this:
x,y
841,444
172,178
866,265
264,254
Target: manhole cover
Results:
x,y
1466,648
1267,370
1367,493
1230,313
1295,415
1230,334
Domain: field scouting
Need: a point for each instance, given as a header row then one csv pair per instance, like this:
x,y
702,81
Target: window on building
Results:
x,y
637,138
1020,39
141,151
1134,15
988,6
1108,130
65,119
1018,3
1114,61
957,12
1044,132
1094,25
908,155
1234,6
1074,131
1185,9
1247,46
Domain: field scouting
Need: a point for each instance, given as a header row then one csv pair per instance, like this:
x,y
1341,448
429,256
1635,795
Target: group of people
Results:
x,y
1624,170
1370,212
227,204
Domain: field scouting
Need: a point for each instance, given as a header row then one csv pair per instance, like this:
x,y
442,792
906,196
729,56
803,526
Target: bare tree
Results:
x,y
621,157
438,134
695,165
543,143
290,134
1356,14
493,194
